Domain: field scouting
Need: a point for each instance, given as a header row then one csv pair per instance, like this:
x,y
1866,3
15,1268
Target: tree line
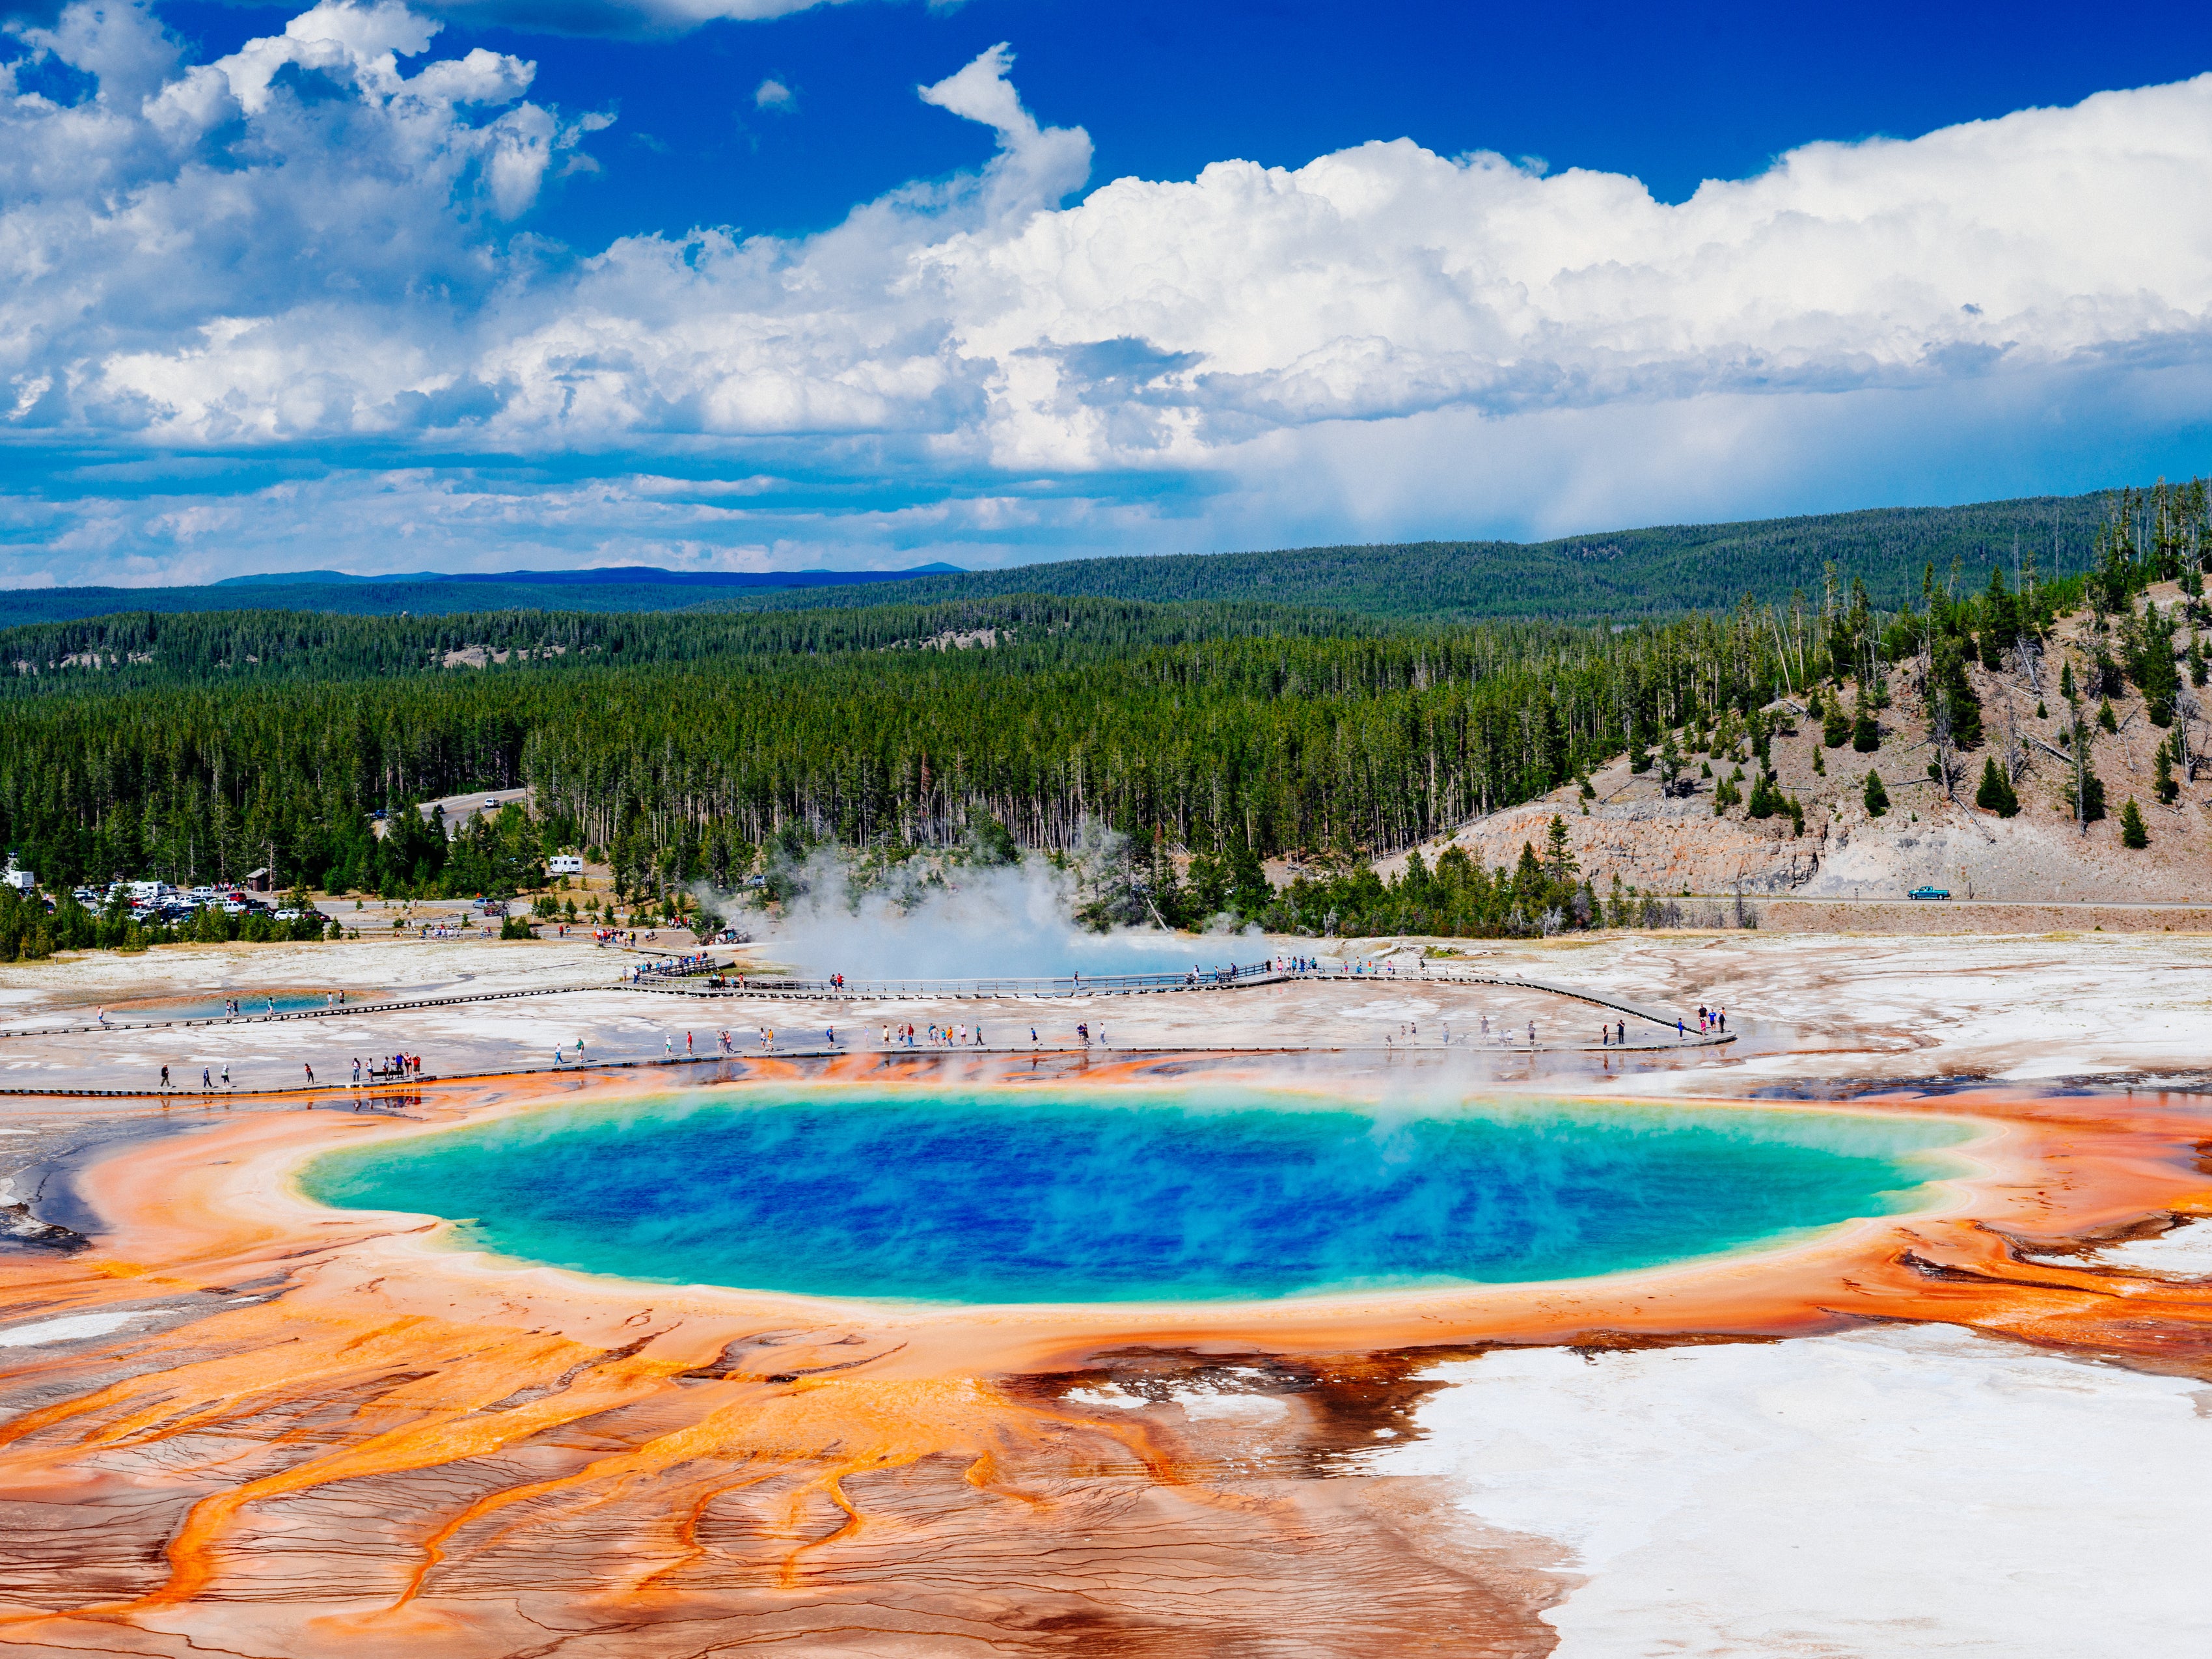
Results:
x,y
695,748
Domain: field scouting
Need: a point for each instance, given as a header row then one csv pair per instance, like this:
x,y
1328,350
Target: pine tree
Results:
x,y
1876,797
2090,801
1866,735
1996,794
2132,832
2000,620
1951,688
2066,679
1559,860
1835,725
2104,716
2167,788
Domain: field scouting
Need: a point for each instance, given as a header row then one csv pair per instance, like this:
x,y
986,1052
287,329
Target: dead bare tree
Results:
x,y
1939,738
2078,742
2015,756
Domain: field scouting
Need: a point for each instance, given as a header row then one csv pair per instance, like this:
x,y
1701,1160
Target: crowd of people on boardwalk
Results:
x,y
936,1036
1219,976
673,967
1296,964
395,1068
725,1043
451,930
900,1035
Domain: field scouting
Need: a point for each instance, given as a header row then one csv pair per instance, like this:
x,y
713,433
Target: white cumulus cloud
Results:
x,y
197,256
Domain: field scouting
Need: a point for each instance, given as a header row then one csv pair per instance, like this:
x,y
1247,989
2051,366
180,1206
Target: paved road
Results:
x,y
461,808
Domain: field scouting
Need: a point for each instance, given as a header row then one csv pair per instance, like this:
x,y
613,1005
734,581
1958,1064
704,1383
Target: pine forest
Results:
x,y
702,747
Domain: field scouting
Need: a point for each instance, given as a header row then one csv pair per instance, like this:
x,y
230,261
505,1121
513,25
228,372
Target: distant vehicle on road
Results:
x,y
1929,893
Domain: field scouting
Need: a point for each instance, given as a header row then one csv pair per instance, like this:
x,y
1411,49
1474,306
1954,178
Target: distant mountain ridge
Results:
x,y
1623,576
637,575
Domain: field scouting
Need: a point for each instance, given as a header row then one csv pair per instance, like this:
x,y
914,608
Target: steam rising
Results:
x,y
1013,921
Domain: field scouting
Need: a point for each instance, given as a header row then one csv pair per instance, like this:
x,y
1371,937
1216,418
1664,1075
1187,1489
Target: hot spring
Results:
x,y
1007,1195
216,1005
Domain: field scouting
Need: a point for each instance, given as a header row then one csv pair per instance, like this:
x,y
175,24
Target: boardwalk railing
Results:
x,y
1066,985
1073,985
1231,977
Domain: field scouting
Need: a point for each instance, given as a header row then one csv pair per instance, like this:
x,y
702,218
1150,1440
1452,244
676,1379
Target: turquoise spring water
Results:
x,y
1009,1196
213,1008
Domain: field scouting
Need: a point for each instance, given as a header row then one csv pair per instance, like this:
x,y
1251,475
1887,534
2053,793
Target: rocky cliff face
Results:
x,y
1660,845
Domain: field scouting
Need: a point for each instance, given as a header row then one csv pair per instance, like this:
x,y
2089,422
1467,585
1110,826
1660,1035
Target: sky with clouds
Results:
x,y
760,284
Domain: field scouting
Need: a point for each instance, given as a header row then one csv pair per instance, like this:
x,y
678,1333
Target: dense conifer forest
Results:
x,y
702,747
1616,576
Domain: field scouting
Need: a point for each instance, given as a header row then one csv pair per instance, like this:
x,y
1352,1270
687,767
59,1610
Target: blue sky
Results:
x,y
604,283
